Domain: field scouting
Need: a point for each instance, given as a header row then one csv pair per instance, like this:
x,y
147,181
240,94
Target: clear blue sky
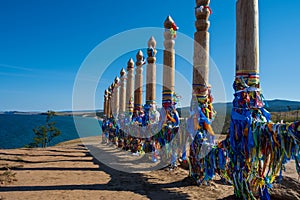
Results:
x,y
44,42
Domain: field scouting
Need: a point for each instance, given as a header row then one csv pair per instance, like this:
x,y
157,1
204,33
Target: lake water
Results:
x,y
16,130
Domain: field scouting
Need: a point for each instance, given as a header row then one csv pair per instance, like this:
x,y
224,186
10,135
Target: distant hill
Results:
x,y
282,105
84,113
276,105
19,113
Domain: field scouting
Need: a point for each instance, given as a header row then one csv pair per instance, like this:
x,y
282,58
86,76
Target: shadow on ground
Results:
x,y
120,181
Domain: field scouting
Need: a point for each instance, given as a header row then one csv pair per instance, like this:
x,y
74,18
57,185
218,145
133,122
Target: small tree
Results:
x,y
45,134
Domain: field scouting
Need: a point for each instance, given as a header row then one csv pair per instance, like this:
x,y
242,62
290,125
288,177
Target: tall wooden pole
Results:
x,y
250,121
122,107
109,102
169,62
151,72
169,85
201,50
130,86
105,103
116,97
247,103
138,93
112,100
247,37
201,95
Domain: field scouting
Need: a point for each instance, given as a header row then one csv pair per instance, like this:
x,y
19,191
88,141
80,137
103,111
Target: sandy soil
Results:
x,y
72,171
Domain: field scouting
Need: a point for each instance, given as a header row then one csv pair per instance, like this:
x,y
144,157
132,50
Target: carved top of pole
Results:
x,y
152,43
109,91
130,64
140,59
170,24
112,86
117,81
202,12
151,51
170,33
106,95
122,73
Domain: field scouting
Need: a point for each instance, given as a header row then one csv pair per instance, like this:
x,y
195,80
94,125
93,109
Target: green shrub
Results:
x,y
45,134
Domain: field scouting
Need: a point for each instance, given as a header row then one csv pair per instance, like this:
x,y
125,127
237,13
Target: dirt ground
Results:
x,y
71,171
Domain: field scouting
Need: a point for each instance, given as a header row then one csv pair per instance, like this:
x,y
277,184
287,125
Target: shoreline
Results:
x,y
78,141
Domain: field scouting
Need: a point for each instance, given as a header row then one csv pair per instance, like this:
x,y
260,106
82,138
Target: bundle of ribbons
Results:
x,y
205,159
150,131
258,147
255,150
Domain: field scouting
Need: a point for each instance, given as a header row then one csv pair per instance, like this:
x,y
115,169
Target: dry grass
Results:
x,y
7,176
289,116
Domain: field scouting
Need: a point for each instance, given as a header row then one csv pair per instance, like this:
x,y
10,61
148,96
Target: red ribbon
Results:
x,y
175,28
208,9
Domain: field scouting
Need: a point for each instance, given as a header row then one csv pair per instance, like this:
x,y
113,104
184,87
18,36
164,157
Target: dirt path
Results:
x,y
71,171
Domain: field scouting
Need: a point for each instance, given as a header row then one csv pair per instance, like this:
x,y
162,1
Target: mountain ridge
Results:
x,y
275,105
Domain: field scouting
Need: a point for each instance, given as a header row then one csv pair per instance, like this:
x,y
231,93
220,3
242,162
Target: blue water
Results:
x,y
16,130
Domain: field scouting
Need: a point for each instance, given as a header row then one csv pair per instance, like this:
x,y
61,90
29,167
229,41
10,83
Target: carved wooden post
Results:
x,y
247,41
122,107
202,101
105,103
130,86
169,85
169,62
151,72
116,97
201,50
109,102
250,121
138,93
112,100
247,103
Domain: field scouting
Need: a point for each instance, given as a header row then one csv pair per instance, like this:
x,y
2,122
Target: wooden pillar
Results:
x,y
138,93
201,50
112,99
151,72
130,86
201,94
122,107
247,37
116,97
109,102
247,46
169,62
105,103
247,103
